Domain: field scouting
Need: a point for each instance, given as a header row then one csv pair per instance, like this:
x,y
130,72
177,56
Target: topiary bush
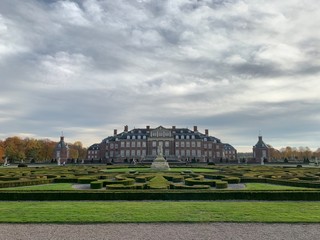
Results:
x,y
234,180
85,180
221,184
121,186
193,181
22,165
96,185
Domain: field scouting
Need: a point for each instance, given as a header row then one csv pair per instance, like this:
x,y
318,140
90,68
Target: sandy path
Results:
x,y
167,231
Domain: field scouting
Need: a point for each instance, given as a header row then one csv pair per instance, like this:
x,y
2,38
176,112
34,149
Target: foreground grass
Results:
x,y
184,211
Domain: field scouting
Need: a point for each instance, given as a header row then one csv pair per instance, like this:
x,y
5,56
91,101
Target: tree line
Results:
x,y
37,150
295,153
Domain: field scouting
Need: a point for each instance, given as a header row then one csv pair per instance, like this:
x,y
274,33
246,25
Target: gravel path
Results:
x,y
159,231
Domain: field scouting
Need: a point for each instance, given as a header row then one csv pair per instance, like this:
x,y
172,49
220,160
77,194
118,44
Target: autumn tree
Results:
x,y
1,151
15,148
46,149
77,151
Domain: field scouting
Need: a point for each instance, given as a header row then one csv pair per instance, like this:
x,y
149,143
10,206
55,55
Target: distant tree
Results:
x,y
32,149
2,151
15,148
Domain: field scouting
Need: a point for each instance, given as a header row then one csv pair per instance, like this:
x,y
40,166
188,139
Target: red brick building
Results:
x,y
261,151
93,152
179,144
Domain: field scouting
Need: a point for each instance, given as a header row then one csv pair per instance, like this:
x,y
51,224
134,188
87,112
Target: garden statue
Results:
x,y
160,163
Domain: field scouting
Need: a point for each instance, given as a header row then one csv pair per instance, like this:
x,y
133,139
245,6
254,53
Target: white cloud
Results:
x,y
90,66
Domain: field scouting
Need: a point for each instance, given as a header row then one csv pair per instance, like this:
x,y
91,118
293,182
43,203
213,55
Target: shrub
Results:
x,y
158,182
121,186
22,165
21,183
192,181
233,180
96,185
86,180
182,186
140,185
126,181
66,180
310,178
7,178
221,184
174,178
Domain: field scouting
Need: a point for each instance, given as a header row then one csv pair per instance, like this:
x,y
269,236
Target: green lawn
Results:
x,y
266,186
123,170
162,211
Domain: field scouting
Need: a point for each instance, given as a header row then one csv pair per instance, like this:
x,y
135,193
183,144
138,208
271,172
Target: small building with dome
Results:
x,y
261,151
61,151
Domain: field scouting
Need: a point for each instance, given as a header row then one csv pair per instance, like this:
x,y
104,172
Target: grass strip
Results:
x,y
45,187
267,186
153,211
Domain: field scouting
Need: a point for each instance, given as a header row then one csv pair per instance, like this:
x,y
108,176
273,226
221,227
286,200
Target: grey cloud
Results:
x,y
93,65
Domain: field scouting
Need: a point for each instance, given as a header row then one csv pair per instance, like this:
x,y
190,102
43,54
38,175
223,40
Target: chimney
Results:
x,y
115,132
62,139
126,128
195,128
206,132
148,128
173,128
260,138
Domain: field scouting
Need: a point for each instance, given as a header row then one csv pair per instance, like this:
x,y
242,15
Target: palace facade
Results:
x,y
179,144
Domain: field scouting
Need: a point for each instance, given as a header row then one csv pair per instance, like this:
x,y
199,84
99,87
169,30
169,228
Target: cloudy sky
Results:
x,y
236,67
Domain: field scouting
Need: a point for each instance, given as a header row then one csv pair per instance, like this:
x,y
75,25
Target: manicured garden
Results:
x,y
89,182
258,193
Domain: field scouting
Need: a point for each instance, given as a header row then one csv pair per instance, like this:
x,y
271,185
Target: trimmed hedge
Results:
x,y
193,181
173,195
221,184
66,180
86,180
234,180
126,181
96,185
120,186
21,183
182,186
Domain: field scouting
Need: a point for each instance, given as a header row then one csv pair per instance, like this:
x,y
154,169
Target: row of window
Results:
x,y
92,152
132,153
182,153
138,144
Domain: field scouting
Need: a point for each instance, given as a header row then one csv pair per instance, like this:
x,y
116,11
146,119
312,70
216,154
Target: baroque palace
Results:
x,y
179,144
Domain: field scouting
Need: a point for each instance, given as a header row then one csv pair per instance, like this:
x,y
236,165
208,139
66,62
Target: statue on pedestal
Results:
x,y
160,149
160,163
